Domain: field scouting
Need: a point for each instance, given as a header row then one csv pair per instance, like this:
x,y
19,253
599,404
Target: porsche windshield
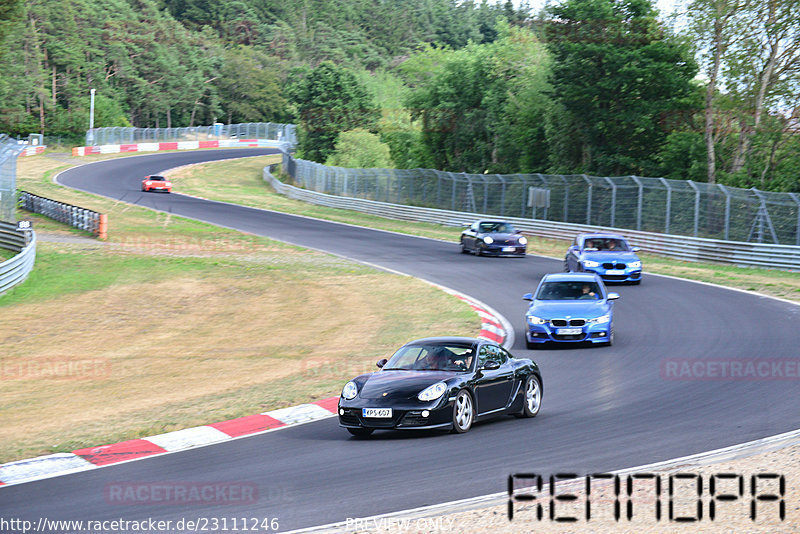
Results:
x,y
432,357
569,291
496,228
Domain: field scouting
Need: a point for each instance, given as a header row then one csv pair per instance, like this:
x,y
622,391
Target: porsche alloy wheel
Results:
x,y
533,397
464,247
463,413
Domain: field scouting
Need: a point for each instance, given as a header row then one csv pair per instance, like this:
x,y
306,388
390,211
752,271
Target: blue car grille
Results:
x,y
609,265
564,322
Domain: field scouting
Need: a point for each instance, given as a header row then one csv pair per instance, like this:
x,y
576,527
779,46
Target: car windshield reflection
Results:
x,y
496,228
432,357
606,245
569,291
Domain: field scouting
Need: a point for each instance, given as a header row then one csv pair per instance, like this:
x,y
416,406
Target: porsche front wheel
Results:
x,y
533,397
463,413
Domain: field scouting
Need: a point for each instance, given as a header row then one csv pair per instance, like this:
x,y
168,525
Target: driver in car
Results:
x,y
587,293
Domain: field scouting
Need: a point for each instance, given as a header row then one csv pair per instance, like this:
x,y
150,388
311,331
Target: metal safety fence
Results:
x,y
16,269
82,218
250,130
659,205
677,246
9,150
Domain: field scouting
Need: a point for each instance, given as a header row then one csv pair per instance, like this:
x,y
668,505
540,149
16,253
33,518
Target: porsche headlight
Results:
x,y
349,391
523,240
590,263
635,264
488,240
432,392
602,319
535,320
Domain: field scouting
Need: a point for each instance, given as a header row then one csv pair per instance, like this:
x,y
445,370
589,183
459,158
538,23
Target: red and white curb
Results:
x,y
175,145
491,324
32,151
63,463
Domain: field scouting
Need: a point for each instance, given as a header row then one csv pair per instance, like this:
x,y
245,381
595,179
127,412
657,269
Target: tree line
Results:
x,y
604,87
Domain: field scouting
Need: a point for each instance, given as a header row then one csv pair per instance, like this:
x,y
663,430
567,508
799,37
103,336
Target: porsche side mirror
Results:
x,y
527,296
380,363
613,296
491,365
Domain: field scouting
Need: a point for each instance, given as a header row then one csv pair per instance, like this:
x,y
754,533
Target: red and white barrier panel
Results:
x,y
173,145
32,150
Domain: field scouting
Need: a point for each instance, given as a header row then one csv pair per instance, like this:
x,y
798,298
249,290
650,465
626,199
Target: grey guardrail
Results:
x,y
676,246
17,269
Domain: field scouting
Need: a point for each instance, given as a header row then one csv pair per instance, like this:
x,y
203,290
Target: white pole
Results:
x,y
91,119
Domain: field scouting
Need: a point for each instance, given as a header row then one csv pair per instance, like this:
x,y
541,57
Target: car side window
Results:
x,y
490,352
474,227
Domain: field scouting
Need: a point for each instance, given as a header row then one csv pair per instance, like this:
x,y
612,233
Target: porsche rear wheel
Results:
x,y
463,413
361,432
532,401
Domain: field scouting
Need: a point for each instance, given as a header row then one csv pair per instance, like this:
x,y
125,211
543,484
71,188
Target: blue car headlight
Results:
x,y
488,240
432,392
590,263
635,265
349,391
523,240
602,319
532,319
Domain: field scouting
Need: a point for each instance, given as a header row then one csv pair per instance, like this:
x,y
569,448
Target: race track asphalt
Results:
x,y
604,408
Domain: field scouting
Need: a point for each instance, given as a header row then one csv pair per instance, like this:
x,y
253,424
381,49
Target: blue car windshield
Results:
x,y
606,244
569,290
432,357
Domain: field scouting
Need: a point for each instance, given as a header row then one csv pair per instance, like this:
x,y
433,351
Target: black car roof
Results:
x,y
444,340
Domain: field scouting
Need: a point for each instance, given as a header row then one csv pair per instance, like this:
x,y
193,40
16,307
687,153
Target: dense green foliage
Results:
x,y
616,73
360,149
330,100
481,107
602,87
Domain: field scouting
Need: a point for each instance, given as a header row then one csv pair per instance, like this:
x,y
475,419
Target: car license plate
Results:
x,y
615,271
568,331
377,412
509,249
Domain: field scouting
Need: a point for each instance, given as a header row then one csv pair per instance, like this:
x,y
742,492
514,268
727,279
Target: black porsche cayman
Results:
x,y
442,382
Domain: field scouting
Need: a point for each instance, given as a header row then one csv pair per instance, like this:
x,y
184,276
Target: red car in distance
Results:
x,y
156,183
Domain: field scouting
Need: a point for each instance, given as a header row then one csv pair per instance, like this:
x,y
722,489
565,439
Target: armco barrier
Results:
x,y
82,218
16,270
679,247
179,145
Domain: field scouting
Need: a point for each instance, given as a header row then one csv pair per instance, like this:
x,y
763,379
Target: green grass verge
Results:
x,y
218,300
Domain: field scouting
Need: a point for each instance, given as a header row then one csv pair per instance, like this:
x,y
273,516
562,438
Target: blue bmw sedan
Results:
x,y
608,255
570,308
